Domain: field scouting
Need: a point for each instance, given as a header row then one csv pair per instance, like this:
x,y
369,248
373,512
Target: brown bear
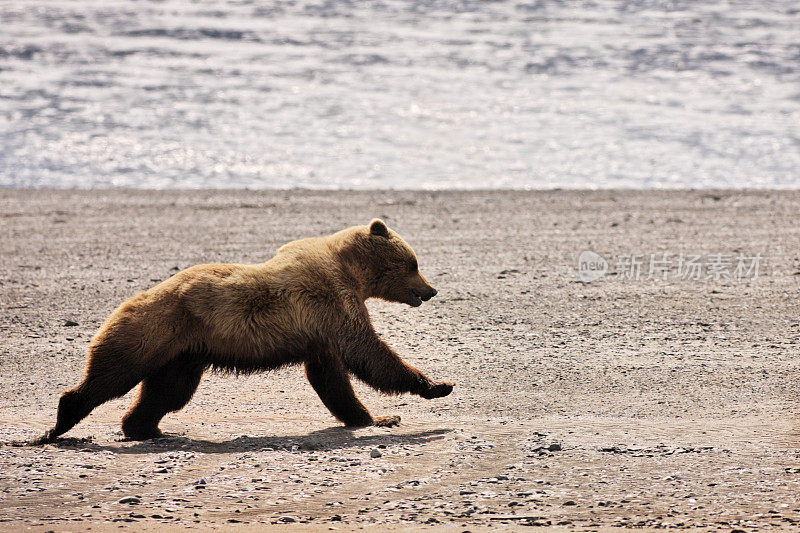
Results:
x,y
303,306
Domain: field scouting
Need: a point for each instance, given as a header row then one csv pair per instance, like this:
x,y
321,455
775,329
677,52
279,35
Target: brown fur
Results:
x,y
304,306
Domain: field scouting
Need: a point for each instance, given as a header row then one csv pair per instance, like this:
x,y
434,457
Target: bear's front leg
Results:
x,y
332,384
377,365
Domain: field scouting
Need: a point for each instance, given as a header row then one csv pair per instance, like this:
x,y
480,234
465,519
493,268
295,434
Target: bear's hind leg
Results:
x,y
98,387
166,390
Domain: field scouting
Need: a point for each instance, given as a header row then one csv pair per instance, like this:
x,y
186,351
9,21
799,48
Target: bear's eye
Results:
x,y
414,266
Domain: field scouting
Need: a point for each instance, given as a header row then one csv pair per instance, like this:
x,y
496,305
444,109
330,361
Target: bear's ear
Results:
x,y
378,227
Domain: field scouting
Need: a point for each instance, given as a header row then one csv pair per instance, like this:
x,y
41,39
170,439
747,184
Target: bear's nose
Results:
x,y
434,292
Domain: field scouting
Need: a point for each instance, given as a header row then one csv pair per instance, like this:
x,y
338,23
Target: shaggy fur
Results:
x,y
304,306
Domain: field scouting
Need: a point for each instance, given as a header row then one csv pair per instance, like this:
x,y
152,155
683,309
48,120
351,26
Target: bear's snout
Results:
x,y
418,291
423,295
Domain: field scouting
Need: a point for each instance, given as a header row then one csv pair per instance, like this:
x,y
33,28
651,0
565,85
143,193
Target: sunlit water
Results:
x,y
399,94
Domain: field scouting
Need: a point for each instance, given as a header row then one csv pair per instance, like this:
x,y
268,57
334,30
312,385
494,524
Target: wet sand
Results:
x,y
616,403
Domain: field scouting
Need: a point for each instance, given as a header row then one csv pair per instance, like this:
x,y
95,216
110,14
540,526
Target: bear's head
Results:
x,y
390,267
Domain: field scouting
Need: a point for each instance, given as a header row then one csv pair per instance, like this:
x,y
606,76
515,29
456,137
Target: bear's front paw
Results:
x,y
438,390
387,421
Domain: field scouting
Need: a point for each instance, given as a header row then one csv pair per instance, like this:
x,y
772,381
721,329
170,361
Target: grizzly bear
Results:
x,y
303,306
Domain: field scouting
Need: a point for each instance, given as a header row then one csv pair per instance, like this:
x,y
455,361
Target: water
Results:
x,y
399,94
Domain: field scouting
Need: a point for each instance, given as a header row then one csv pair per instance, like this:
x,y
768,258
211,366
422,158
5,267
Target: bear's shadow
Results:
x,y
334,438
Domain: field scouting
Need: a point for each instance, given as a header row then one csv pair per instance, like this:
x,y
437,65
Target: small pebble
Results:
x,y
375,453
133,500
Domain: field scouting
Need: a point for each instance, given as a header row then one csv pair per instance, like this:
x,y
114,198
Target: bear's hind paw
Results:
x,y
387,421
47,438
44,439
148,434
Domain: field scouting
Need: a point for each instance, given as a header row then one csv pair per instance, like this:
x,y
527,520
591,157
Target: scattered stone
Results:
x,y
660,450
70,323
537,523
555,447
611,449
516,517
375,453
287,519
569,502
132,500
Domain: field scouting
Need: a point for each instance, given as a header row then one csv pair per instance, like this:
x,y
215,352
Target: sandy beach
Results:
x,y
648,403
